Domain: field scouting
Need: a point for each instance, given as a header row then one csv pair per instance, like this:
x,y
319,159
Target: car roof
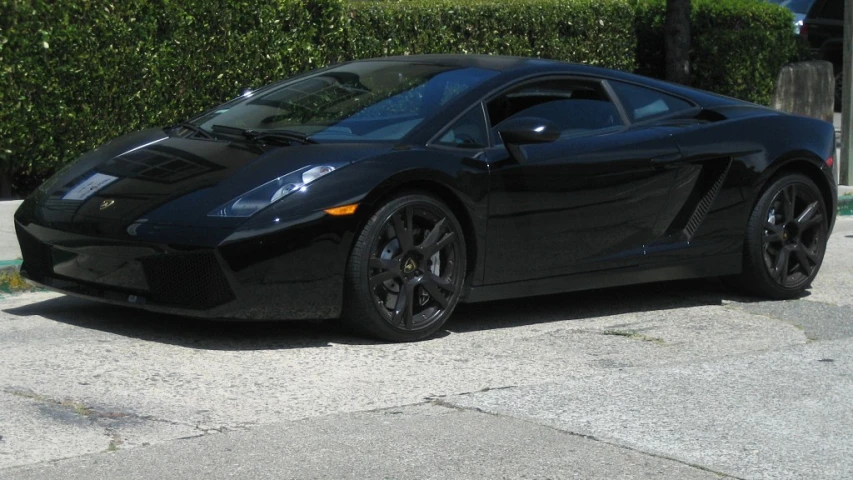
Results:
x,y
500,63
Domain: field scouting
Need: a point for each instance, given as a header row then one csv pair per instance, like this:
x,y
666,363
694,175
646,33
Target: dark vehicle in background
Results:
x,y
823,28
799,7
384,192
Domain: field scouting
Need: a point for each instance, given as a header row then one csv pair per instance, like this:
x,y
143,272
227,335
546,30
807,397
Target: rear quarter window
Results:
x,y
644,103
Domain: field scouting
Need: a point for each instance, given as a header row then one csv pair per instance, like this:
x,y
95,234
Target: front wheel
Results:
x,y
785,239
406,271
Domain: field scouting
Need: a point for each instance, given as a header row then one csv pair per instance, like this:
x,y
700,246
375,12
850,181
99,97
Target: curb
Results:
x,y
10,267
845,205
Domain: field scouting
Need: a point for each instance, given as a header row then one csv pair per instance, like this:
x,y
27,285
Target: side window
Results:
x,y
643,103
575,106
468,132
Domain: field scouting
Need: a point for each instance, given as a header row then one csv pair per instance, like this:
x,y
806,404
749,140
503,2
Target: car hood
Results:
x,y
151,177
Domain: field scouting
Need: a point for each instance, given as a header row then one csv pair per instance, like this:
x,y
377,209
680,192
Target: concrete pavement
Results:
x,y
412,442
674,380
778,414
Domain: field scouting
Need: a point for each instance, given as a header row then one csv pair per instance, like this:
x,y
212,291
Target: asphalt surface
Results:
x,y
676,380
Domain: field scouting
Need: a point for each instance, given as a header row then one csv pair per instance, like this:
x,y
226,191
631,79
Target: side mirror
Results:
x,y
519,131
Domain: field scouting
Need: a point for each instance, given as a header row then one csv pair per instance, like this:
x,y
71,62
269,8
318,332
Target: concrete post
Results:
x,y
847,99
806,88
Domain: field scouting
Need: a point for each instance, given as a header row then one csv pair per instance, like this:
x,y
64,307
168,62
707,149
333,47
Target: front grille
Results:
x,y
192,280
37,262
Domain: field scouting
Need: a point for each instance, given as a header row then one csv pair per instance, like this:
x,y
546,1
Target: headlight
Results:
x,y
259,198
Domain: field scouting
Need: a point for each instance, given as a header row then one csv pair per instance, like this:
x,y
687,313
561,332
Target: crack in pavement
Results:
x,y
739,307
449,405
118,427
113,420
818,320
95,414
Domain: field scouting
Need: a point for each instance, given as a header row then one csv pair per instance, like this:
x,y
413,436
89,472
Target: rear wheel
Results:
x,y
406,270
785,239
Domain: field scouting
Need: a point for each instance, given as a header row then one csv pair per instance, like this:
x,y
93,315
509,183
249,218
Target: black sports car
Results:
x,y
386,191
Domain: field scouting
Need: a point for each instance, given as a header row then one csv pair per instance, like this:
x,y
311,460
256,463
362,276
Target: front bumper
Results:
x,y
293,274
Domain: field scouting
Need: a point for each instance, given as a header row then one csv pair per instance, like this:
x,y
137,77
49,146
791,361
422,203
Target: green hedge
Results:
x,y
597,32
76,73
738,47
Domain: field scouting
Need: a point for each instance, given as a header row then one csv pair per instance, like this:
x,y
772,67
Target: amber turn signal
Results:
x,y
342,210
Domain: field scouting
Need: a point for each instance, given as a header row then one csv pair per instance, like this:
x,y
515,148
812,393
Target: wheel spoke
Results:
x,y
773,233
811,223
812,255
432,288
445,241
403,308
780,271
445,285
434,235
807,215
803,259
383,277
403,229
384,264
790,194
410,295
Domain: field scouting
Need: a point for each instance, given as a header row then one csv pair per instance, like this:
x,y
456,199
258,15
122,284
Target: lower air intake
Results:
x,y
37,262
192,280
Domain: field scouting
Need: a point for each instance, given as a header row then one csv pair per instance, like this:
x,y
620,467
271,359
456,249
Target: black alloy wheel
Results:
x,y
786,238
406,270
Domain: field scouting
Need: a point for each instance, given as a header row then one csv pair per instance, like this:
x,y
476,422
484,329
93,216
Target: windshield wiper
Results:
x,y
193,128
288,136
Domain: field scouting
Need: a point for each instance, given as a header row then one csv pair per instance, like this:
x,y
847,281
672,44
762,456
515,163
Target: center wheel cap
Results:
x,y
409,266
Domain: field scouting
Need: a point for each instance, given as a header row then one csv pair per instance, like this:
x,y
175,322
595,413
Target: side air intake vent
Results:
x,y
704,204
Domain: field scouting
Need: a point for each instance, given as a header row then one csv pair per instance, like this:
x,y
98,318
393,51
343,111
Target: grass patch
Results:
x,y
114,443
11,281
79,408
634,336
75,406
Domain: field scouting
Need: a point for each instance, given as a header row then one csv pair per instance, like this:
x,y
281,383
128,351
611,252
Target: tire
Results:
x,y
403,279
785,239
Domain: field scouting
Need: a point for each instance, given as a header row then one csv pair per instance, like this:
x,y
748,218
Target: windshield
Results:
x,y
378,100
796,6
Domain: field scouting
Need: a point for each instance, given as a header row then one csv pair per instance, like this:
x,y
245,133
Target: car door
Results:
x,y
587,201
